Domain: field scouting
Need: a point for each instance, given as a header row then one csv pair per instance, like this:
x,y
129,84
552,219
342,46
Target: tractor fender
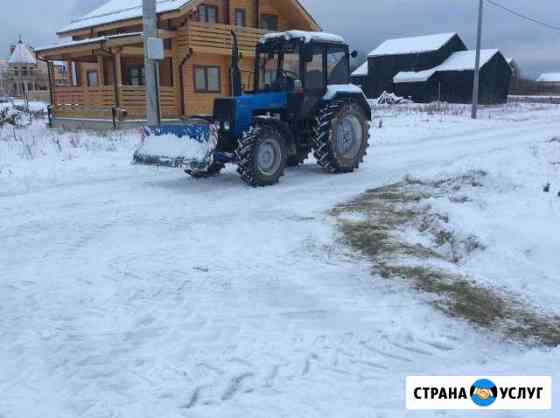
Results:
x,y
281,126
357,98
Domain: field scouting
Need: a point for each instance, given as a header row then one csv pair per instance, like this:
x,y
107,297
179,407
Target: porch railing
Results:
x,y
98,102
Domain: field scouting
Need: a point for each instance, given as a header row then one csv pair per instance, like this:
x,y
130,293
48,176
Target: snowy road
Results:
x,y
129,292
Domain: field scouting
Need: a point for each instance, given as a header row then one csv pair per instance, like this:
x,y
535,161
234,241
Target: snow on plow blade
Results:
x,y
183,146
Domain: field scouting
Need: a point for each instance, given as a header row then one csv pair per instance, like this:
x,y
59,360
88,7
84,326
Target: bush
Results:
x,y
18,116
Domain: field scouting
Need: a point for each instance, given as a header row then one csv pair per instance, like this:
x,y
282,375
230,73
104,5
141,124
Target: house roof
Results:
x,y
22,55
412,45
120,10
361,71
89,41
459,61
549,78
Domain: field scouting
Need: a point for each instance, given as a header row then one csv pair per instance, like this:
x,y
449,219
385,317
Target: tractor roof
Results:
x,y
320,37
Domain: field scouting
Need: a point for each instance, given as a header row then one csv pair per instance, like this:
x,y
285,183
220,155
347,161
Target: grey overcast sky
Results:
x,y
364,23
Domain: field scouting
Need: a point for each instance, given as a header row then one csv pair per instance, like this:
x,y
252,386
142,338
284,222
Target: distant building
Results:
x,y
435,67
25,73
3,77
515,68
61,74
549,79
515,74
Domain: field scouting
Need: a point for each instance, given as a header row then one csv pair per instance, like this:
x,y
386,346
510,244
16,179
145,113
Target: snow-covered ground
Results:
x,y
129,291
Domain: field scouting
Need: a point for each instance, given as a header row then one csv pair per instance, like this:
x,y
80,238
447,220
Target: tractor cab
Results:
x,y
297,61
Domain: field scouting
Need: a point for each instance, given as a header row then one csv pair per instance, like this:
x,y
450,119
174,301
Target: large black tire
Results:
x,y
262,156
341,136
212,171
299,157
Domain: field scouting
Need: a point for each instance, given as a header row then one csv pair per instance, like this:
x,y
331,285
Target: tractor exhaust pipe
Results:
x,y
235,72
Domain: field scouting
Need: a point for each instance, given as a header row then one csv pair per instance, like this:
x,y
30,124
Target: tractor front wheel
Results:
x,y
341,137
262,156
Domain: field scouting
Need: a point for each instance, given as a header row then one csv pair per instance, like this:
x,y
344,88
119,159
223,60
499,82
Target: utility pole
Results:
x,y
476,86
150,74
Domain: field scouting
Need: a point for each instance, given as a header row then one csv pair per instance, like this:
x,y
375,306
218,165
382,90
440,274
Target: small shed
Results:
x,y
452,81
412,54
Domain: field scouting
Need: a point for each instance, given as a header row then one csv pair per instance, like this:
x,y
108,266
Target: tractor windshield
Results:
x,y
278,67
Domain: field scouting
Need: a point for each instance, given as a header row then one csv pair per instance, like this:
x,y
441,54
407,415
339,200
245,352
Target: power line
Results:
x,y
522,16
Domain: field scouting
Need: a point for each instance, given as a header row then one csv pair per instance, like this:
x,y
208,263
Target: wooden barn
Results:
x,y
408,54
453,80
432,67
105,57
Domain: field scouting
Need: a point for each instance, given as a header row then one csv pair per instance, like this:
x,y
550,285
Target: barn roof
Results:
x,y
22,55
120,10
549,78
459,61
412,45
361,71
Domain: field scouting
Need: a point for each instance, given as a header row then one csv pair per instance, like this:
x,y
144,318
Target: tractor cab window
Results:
x,y
314,72
279,69
337,66
268,70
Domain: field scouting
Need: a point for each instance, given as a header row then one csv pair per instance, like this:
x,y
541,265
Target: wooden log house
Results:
x,y
105,57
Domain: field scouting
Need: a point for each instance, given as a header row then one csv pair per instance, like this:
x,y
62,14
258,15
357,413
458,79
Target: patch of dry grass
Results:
x,y
399,207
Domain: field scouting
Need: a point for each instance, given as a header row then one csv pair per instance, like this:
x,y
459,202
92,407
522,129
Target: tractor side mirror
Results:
x,y
354,54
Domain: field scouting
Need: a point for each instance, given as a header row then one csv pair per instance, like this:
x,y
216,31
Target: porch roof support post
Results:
x,y
257,14
51,83
226,12
100,71
50,74
117,78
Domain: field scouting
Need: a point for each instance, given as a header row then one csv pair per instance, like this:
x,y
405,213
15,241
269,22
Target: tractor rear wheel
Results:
x,y
262,156
341,137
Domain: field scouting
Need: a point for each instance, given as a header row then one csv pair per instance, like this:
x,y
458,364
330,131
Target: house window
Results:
x,y
240,17
269,22
207,79
24,71
337,66
136,75
208,14
92,78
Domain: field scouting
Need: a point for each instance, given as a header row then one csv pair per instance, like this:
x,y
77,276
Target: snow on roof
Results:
x,y
361,71
306,36
117,10
459,61
416,44
549,78
22,55
87,41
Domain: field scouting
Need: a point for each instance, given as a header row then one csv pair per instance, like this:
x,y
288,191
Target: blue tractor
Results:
x,y
302,102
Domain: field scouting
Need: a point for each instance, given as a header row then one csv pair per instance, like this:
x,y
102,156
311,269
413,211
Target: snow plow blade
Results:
x,y
190,146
